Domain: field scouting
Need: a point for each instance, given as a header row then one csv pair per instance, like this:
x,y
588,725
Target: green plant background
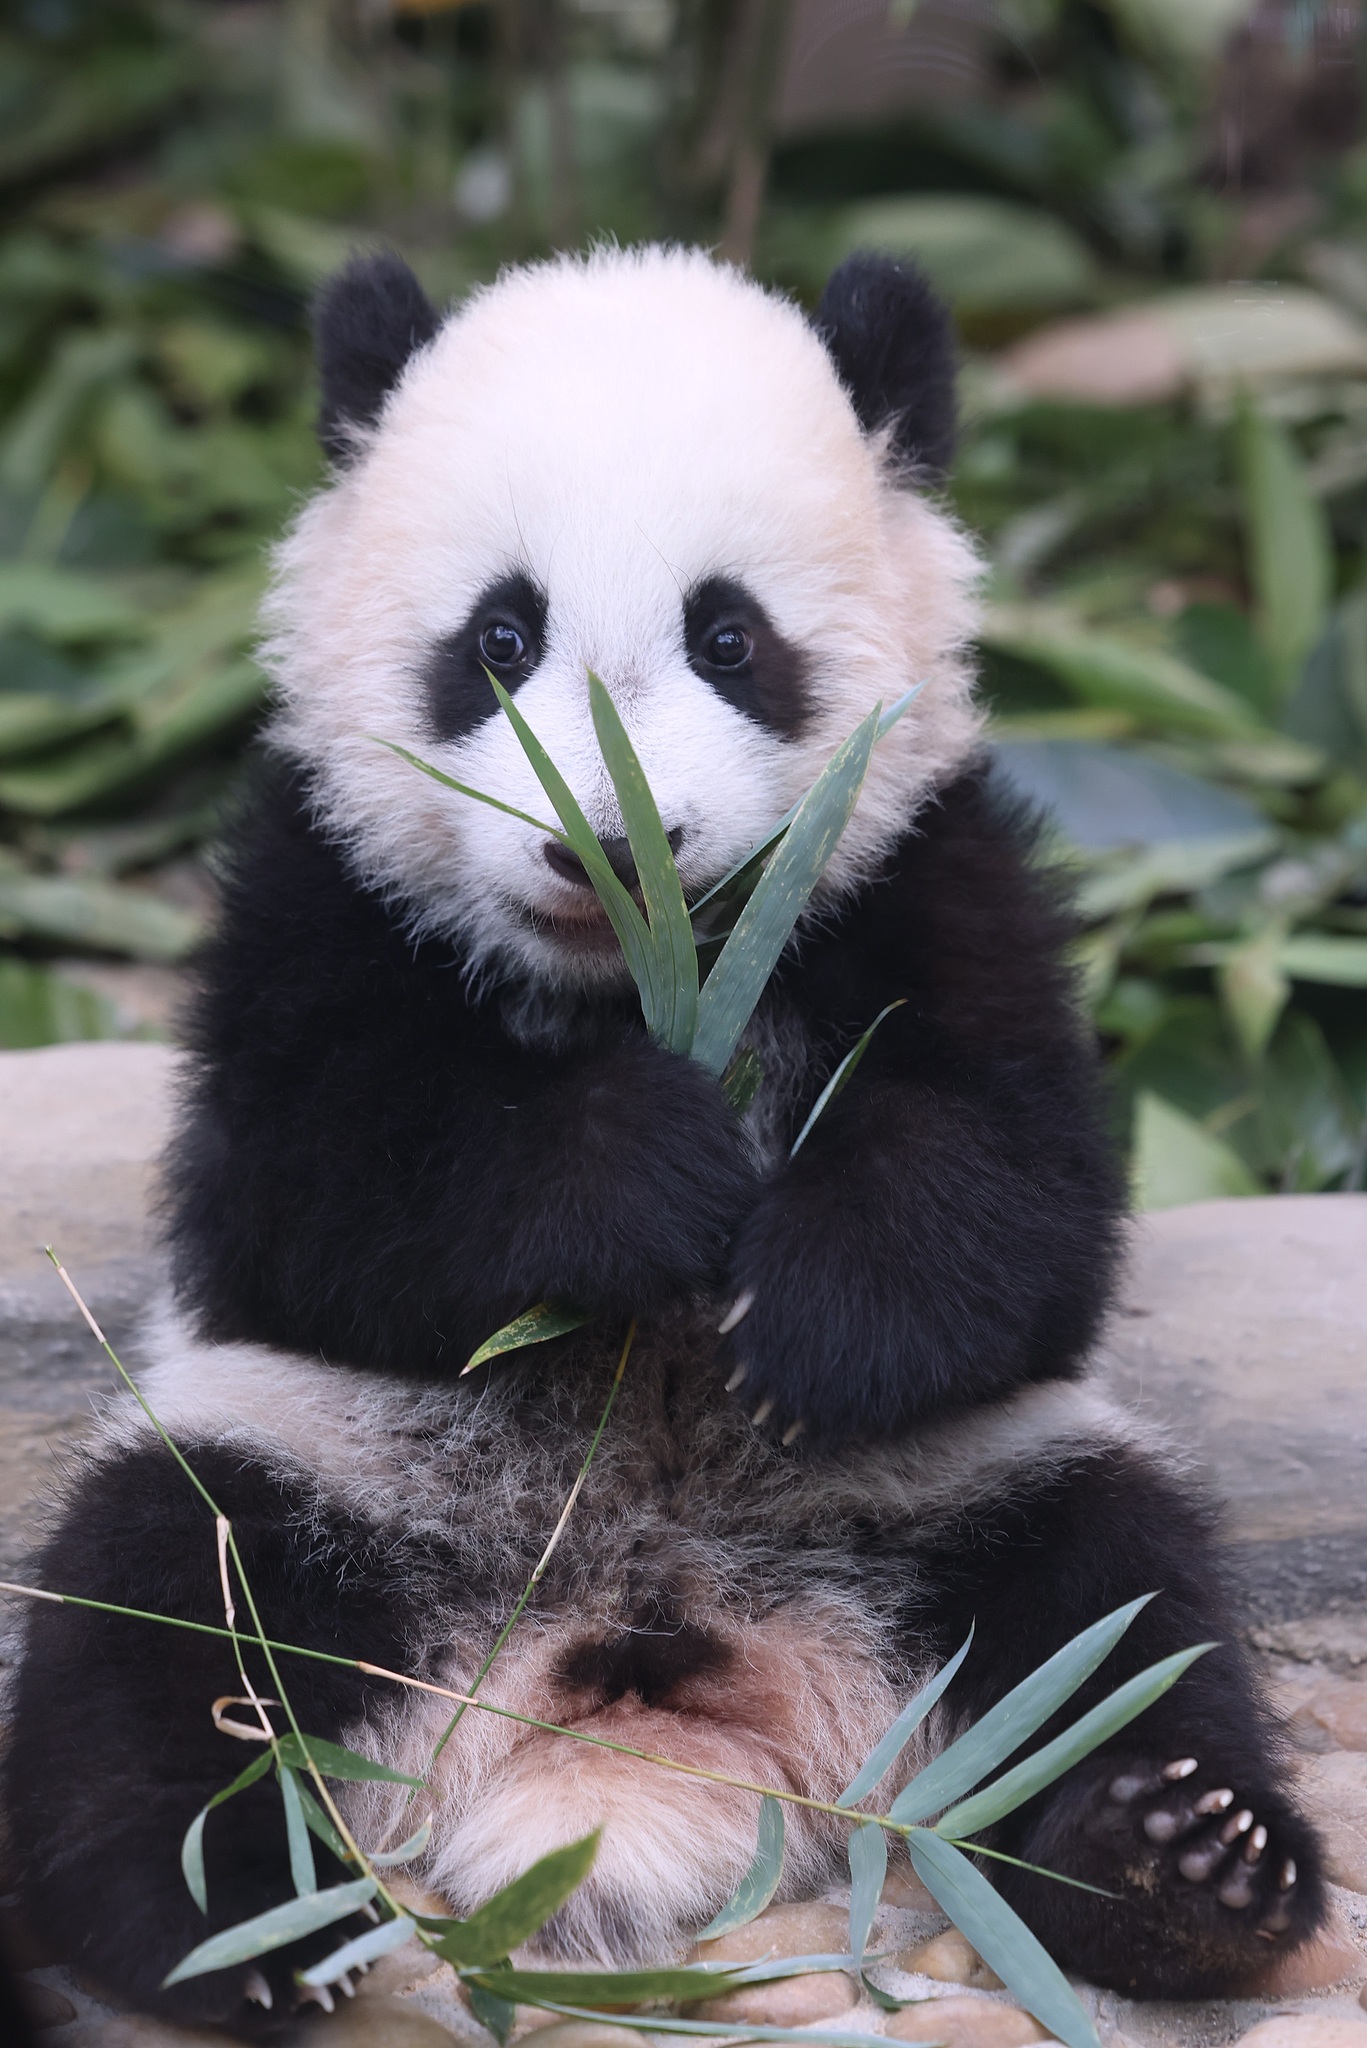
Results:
x,y
1175,652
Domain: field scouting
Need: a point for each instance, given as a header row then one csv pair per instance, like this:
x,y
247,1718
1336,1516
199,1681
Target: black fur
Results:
x,y
892,341
375,1170
368,321
114,1751
459,696
1026,1576
770,683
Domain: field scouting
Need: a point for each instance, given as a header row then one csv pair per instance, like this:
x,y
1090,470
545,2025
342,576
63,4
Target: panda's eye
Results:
x,y
502,645
727,647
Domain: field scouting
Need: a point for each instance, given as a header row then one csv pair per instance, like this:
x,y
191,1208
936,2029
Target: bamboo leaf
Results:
x,y
1058,1756
1120,675
760,1881
841,1076
1006,1726
406,1851
493,2012
743,1079
335,1762
516,1913
534,1326
465,789
275,1929
868,1849
1003,1940
885,1753
1291,563
322,1825
765,925
377,1941
670,929
739,880
633,933
687,1982
303,1875
192,1848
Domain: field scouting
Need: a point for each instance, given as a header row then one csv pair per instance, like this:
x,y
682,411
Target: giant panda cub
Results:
x,y
423,1098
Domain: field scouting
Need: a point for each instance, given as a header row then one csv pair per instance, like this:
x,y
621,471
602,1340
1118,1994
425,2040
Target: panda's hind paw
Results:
x,y
1210,1840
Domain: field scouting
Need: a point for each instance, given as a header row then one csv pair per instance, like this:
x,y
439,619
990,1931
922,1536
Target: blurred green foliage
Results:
x,y
1174,518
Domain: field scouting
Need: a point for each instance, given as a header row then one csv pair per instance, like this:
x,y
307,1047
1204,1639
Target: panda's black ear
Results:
x,y
367,322
892,341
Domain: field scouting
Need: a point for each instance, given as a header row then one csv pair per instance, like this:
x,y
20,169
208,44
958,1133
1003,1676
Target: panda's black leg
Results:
x,y
114,1748
1186,1817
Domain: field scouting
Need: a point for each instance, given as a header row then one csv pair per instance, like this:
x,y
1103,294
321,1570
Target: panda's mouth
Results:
x,y
584,930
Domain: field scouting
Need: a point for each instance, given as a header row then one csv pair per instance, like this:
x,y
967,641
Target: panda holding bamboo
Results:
x,y
854,1421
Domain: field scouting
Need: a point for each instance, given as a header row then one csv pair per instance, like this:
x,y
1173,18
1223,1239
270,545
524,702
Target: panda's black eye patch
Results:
x,y
734,645
505,633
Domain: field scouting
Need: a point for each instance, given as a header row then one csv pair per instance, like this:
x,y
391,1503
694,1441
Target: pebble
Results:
x,y
1331,1958
1335,1789
793,1930
792,2002
1306,2030
46,2007
905,1890
965,2023
950,1960
1333,1716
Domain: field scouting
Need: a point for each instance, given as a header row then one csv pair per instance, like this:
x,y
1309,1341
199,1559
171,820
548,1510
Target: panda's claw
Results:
x,y
762,1413
316,1994
1286,1877
1215,1802
793,1432
1182,1767
736,1314
256,1990
737,1379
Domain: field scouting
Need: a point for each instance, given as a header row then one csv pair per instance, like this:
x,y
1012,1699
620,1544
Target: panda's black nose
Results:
x,y
569,866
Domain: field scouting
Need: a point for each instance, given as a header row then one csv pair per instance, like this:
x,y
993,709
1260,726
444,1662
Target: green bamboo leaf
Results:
x,y
1317,956
276,1929
335,1762
633,933
1006,1726
521,1909
303,1875
192,1848
884,1755
1291,559
534,1326
687,1982
841,1075
739,880
1120,675
377,1941
406,1851
465,789
760,1881
868,1851
1003,1940
321,1823
1056,1757
765,925
493,2012
661,888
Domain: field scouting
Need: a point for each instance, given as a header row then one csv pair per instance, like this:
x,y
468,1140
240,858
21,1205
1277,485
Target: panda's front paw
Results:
x,y
798,1351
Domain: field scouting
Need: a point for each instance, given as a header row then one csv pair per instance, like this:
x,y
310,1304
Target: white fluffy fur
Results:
x,y
619,427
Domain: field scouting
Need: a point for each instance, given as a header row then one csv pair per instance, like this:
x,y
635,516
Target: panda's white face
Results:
x,y
645,466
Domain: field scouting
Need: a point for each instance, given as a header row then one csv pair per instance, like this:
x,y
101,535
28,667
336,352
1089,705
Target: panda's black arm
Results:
x,y
372,1169
113,1748
948,1230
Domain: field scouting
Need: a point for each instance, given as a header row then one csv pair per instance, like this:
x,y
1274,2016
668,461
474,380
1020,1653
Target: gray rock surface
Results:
x,y
1243,1333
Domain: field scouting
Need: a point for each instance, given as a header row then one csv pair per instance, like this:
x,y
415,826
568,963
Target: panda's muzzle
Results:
x,y
619,857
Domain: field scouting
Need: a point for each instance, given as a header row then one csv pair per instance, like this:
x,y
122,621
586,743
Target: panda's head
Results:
x,y
642,464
